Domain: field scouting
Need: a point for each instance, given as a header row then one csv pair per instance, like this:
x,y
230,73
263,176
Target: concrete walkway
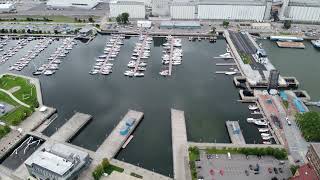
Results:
x,y
14,98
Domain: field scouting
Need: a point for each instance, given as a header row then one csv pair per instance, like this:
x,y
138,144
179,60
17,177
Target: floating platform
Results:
x,y
71,127
235,132
297,45
226,64
116,139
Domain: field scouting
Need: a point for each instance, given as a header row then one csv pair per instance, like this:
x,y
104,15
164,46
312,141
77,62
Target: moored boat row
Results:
x,y
13,50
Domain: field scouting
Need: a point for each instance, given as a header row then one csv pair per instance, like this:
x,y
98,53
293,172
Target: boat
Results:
x,y
48,72
129,73
316,43
251,120
267,138
36,73
260,123
137,74
263,129
230,73
253,107
164,73
267,142
265,134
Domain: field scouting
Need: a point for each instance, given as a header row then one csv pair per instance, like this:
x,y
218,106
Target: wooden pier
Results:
x,y
235,132
71,127
110,147
180,146
170,59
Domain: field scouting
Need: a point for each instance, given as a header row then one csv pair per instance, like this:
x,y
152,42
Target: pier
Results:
x,y
170,59
235,132
297,45
71,127
141,52
226,64
110,147
180,146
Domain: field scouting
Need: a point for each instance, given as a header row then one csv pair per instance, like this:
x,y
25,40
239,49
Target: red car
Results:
x,y
221,172
212,172
270,170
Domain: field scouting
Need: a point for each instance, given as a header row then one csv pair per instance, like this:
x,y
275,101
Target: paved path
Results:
x,y
180,146
210,145
14,98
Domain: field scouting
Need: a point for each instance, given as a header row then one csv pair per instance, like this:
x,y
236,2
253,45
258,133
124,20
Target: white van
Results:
x,y
229,156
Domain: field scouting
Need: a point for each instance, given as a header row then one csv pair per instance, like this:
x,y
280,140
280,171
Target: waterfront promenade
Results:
x,y
180,152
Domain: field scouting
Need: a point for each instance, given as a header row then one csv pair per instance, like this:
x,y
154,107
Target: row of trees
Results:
x,y
27,19
79,20
23,31
100,169
309,124
123,18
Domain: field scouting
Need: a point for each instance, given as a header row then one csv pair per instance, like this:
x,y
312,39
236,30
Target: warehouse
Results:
x,y
136,10
161,7
7,8
303,11
232,9
181,10
84,4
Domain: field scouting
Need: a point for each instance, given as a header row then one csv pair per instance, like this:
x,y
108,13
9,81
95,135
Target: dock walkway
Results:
x,y
110,147
180,146
170,59
235,132
71,127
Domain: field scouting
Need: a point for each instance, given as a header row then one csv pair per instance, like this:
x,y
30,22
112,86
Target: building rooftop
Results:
x,y
232,2
58,158
6,6
127,2
305,172
304,2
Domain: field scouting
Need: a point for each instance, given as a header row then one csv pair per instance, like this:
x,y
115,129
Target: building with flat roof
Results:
x,y
57,162
313,155
136,10
161,7
182,10
7,7
85,4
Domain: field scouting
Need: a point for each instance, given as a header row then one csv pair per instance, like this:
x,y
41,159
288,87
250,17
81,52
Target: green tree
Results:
x,y
309,124
23,31
125,17
287,24
119,19
14,31
225,23
91,19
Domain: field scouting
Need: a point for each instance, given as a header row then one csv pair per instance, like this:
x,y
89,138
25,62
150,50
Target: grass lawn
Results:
x,y
7,99
27,93
245,58
4,130
112,168
17,115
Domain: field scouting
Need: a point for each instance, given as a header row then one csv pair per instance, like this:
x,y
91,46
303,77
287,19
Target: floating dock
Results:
x,y
297,45
170,59
226,64
71,127
235,132
114,142
179,146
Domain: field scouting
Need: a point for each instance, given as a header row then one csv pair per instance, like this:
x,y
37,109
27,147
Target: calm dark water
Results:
x,y
302,63
207,99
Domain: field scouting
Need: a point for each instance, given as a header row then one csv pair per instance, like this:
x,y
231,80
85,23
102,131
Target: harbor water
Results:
x,y
208,99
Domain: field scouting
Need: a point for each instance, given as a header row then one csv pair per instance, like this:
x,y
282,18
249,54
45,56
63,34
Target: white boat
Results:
x,y
263,129
251,120
253,107
260,123
137,74
267,142
48,72
164,73
230,73
128,73
265,134
133,57
267,138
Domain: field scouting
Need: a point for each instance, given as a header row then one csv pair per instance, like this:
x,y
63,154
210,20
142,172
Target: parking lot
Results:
x,y
240,167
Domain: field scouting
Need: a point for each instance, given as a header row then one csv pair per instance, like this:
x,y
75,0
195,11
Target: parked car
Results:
x,y
270,170
280,170
275,170
246,172
250,167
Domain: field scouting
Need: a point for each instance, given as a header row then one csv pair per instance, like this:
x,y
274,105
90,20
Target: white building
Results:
x,y
303,10
57,161
161,7
136,10
85,4
232,9
7,7
181,10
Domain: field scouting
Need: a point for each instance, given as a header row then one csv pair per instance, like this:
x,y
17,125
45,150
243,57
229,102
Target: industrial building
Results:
x,y
313,155
161,7
84,4
7,8
234,10
182,10
57,162
302,10
136,10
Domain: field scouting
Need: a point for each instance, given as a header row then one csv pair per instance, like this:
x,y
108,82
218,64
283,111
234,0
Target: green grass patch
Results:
x,y
4,130
294,168
105,167
16,116
27,92
280,154
136,175
194,154
246,58
309,124
7,99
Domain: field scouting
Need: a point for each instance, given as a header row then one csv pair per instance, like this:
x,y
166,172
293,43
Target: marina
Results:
x,y
172,55
13,50
235,132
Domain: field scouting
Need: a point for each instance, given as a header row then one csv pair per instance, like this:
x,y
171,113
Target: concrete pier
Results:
x,y
71,127
235,132
180,146
110,147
